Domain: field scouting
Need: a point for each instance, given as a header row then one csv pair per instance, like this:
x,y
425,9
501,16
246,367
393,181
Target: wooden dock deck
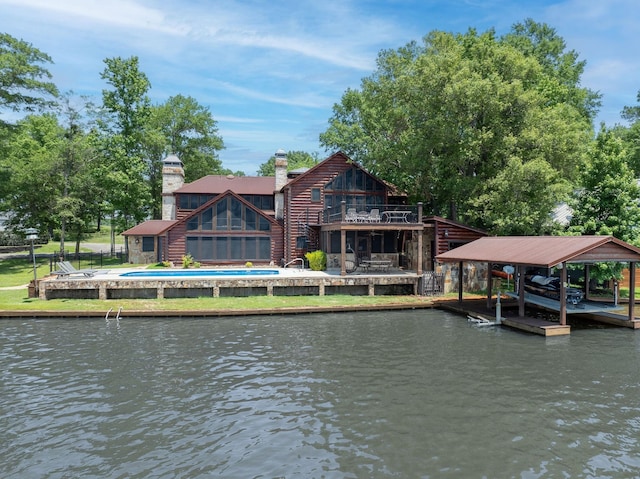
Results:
x,y
509,316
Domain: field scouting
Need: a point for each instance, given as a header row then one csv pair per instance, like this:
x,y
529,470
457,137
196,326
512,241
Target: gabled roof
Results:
x,y
150,228
330,158
241,185
546,251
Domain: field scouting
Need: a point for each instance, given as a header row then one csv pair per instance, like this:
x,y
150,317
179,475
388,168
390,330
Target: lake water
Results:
x,y
419,394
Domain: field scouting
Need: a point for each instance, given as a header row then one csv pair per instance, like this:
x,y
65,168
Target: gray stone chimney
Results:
x,y
281,181
172,179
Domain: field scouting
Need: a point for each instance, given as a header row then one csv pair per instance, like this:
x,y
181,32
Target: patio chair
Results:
x,y
374,215
67,269
351,216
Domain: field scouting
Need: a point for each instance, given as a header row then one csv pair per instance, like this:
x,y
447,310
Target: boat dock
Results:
x,y
509,315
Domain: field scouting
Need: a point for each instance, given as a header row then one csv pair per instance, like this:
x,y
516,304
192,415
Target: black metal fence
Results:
x,y
432,283
82,260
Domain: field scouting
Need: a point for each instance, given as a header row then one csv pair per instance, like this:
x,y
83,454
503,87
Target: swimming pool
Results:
x,y
187,273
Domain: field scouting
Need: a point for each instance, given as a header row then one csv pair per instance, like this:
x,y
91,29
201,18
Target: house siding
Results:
x,y
300,212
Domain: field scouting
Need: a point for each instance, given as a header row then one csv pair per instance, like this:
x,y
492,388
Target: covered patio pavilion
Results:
x,y
545,252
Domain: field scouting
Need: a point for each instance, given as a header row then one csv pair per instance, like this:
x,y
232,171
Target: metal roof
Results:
x,y
242,185
150,228
547,251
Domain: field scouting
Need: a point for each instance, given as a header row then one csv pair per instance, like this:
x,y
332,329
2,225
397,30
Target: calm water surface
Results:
x,y
420,394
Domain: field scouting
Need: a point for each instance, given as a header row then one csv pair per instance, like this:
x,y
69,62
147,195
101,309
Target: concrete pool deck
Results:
x,y
110,284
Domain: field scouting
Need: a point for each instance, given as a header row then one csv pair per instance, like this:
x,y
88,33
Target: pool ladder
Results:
x,y
117,318
295,260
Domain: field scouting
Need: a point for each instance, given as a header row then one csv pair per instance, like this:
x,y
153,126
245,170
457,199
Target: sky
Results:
x,y
270,71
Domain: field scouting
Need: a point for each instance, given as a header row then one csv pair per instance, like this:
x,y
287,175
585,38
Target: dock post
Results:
x,y
498,310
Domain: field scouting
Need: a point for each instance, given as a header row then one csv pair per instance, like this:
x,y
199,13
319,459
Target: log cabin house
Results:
x,y
336,206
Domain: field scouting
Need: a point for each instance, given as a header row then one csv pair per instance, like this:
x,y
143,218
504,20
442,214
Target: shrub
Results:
x,y
317,260
187,260
248,264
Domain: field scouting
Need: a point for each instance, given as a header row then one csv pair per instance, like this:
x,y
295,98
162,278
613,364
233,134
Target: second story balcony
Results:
x,y
374,214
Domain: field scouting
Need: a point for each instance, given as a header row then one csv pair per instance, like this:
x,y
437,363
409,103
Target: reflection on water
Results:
x,y
393,394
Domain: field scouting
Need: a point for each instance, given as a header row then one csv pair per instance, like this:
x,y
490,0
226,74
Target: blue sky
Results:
x,y
271,71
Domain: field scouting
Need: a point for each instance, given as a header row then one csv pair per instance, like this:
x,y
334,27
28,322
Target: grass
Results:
x,y
17,273
17,300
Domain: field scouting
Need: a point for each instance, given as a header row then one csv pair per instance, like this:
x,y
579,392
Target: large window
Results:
x,y
228,214
219,233
226,248
355,187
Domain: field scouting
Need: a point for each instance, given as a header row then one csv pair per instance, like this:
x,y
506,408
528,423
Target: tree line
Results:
x,y
493,131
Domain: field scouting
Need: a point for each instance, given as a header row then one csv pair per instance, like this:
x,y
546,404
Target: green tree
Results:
x,y
182,127
606,202
631,134
127,108
295,160
562,68
518,199
77,206
32,160
441,120
24,78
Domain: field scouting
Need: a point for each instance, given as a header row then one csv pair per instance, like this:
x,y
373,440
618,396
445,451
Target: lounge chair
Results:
x,y
65,268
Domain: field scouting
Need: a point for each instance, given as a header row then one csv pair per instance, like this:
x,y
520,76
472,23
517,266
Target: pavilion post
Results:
x,y
520,275
489,285
343,252
632,290
420,267
563,294
460,280
587,280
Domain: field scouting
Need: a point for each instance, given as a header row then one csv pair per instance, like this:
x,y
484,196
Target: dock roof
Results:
x,y
546,251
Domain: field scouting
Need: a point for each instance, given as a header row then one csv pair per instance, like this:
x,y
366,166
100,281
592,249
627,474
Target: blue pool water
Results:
x,y
181,273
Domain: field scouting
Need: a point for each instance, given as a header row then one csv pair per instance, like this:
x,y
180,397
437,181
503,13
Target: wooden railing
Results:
x,y
373,214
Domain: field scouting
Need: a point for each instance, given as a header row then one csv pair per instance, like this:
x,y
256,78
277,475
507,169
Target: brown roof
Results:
x,y
547,251
150,228
241,185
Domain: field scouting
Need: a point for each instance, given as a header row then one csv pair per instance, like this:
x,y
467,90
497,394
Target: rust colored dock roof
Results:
x,y
546,251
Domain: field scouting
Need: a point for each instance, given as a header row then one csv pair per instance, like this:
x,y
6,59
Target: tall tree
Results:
x,y
562,68
632,134
77,205
25,86
295,160
24,78
128,109
443,119
32,161
182,127
607,201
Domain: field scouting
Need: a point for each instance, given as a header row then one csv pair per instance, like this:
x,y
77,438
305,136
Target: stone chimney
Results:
x,y
172,180
281,181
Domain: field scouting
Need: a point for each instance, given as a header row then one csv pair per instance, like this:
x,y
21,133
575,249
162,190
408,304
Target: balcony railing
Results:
x,y
400,214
